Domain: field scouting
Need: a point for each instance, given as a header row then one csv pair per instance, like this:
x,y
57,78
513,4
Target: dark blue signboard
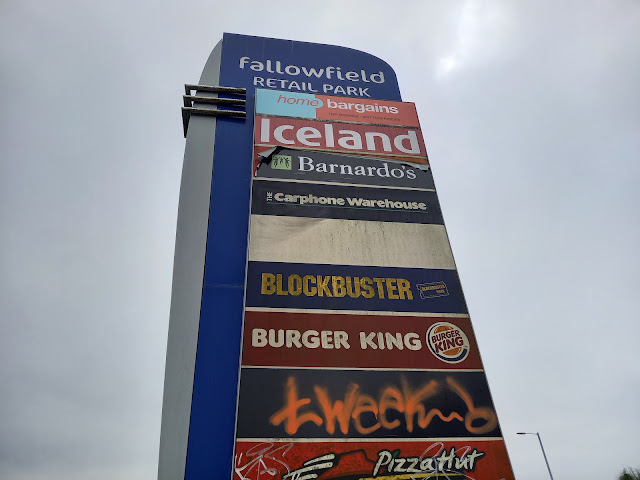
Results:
x,y
348,240
348,287
352,404
251,62
347,202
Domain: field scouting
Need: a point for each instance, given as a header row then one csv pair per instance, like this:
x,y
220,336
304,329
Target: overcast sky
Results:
x,y
531,116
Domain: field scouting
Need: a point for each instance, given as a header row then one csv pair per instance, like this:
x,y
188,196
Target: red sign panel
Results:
x,y
367,341
405,142
365,110
388,460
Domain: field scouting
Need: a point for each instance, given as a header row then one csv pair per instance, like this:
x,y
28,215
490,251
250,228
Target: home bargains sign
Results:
x,y
340,109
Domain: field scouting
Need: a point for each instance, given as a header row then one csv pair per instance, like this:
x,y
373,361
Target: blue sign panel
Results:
x,y
252,62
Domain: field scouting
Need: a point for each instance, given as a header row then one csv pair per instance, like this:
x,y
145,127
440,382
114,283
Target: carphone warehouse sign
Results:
x,y
340,269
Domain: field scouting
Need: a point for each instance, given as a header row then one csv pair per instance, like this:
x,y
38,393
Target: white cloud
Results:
x,y
482,34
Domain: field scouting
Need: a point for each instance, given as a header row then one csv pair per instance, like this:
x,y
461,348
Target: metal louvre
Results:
x,y
209,105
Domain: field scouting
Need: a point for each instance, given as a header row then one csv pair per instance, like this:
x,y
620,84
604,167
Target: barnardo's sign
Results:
x,y
310,166
320,236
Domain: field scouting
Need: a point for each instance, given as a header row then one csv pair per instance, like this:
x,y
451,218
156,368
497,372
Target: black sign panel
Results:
x,y
330,167
311,403
300,199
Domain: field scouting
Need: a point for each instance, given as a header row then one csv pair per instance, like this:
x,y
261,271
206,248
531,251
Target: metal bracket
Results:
x,y
209,104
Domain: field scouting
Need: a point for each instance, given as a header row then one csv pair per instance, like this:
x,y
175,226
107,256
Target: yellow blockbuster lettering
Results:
x,y
339,289
268,284
306,289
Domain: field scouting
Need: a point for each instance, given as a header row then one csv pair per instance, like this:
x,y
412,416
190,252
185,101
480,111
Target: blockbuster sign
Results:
x,y
318,327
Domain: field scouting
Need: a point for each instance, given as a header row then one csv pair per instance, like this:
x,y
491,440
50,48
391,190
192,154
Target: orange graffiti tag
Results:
x,y
289,414
474,413
366,414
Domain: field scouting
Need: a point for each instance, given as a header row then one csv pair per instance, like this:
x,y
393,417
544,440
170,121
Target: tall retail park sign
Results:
x,y
318,327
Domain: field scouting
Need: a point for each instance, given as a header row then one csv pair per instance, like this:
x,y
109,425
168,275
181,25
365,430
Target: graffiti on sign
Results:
x,y
365,403
350,412
389,461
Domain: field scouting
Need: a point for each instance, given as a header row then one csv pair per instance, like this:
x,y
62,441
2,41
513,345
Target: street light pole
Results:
x,y
543,453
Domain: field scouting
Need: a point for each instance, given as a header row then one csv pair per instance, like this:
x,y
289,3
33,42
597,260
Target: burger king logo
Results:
x,y
448,342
